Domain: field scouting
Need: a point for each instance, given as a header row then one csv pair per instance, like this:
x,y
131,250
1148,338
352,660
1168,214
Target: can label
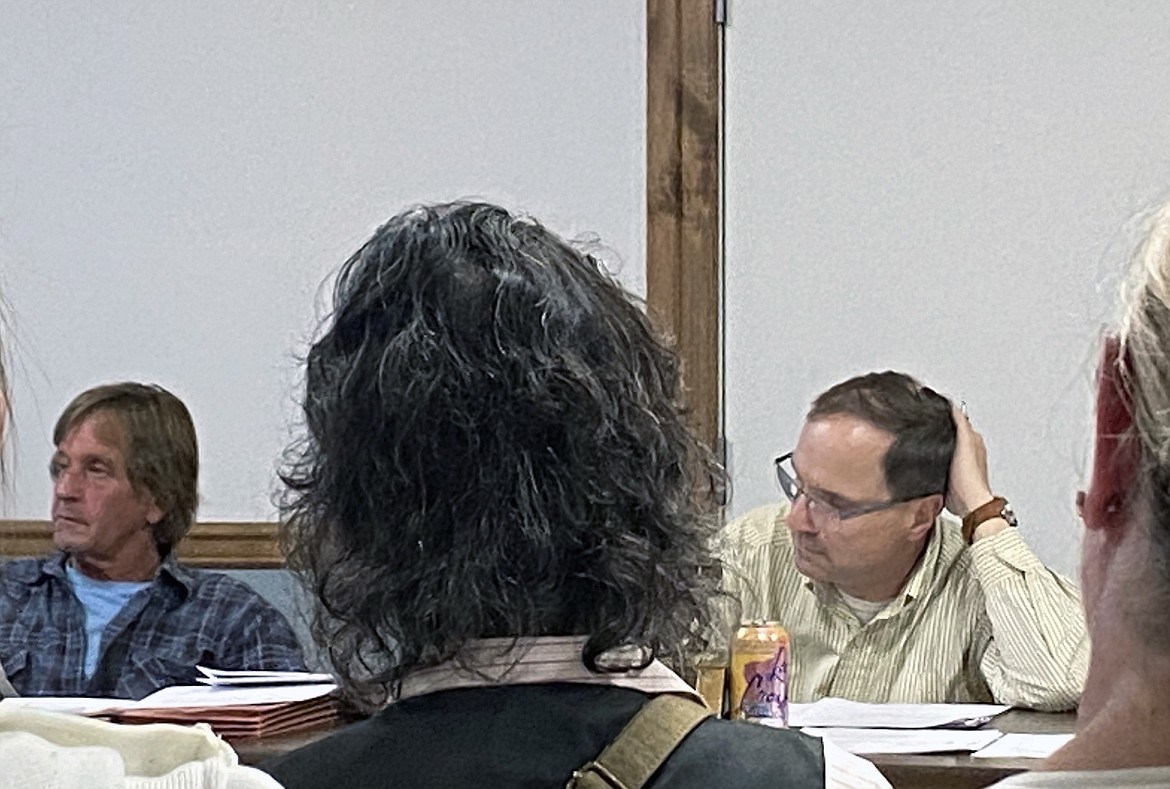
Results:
x,y
759,673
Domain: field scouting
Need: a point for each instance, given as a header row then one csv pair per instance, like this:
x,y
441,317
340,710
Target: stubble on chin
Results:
x,y
67,535
803,559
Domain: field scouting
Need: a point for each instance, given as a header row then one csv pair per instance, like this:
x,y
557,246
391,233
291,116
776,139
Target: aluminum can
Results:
x,y
759,673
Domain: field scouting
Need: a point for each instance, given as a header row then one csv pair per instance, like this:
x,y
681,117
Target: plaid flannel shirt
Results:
x,y
184,618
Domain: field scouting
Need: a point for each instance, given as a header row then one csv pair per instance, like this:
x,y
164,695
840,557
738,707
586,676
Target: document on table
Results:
x,y
865,741
178,697
842,713
203,696
1027,746
215,676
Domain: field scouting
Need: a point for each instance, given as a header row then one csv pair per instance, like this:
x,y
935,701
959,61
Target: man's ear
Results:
x,y
154,513
925,511
1116,451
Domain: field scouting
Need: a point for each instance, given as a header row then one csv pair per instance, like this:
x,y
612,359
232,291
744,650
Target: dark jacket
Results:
x,y
536,736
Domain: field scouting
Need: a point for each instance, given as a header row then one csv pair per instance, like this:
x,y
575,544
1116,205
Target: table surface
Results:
x,y
953,771
960,771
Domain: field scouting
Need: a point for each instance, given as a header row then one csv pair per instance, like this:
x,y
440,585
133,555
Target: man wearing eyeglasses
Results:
x,y
886,598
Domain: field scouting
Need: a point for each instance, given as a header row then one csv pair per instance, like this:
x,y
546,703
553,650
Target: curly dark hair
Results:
x,y
920,419
495,448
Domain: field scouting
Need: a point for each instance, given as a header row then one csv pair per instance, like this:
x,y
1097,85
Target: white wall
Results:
x,y
177,178
937,186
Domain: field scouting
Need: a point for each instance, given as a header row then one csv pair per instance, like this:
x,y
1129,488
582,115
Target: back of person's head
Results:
x,y
1145,342
495,448
162,456
919,418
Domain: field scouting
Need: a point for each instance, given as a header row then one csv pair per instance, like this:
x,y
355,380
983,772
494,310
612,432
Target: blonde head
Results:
x,y
1144,333
1145,338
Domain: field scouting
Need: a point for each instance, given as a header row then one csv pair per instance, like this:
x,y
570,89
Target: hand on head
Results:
x,y
967,484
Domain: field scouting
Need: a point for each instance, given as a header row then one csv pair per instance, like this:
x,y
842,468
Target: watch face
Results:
x,y
1008,514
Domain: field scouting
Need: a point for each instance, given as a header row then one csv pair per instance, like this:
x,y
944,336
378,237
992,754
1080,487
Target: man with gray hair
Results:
x,y
112,613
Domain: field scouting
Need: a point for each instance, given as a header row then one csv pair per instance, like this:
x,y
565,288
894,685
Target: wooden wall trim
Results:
x,y
682,195
226,545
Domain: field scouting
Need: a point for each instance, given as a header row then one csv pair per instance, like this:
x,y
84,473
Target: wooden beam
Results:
x,y
663,163
236,546
682,195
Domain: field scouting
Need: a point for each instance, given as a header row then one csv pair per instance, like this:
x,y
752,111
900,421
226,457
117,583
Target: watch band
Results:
x,y
998,507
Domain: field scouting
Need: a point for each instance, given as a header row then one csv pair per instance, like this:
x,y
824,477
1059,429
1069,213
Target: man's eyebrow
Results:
x,y
836,499
828,496
89,457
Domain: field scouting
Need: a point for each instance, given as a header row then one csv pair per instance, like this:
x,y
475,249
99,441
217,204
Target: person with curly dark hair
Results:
x,y
503,520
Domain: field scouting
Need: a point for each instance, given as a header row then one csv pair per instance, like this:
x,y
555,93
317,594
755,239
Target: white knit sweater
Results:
x,y
47,750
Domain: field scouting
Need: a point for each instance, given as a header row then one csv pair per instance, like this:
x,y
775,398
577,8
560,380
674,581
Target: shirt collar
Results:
x,y
922,577
501,661
54,565
170,567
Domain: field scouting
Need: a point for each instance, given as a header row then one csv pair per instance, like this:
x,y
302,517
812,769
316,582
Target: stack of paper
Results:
x,y
830,712
872,741
234,711
215,676
1024,746
234,703
863,728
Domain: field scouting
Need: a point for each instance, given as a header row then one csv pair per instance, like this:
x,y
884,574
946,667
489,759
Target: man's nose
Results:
x,y
65,485
798,515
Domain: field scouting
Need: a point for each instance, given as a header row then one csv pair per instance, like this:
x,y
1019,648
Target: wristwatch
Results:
x,y
996,508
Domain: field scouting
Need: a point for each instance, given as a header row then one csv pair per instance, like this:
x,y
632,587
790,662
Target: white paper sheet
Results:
x,y
1027,746
229,696
865,741
832,712
179,696
215,676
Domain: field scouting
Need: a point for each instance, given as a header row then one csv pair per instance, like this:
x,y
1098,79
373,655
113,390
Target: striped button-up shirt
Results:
x,y
972,623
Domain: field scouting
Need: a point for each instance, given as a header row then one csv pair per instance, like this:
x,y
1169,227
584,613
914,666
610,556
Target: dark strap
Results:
x,y
984,512
642,746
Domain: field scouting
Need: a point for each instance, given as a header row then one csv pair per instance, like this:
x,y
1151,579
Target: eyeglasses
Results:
x,y
819,509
